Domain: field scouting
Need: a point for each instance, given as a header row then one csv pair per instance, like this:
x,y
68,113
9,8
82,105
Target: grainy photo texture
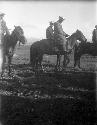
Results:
x,y
48,62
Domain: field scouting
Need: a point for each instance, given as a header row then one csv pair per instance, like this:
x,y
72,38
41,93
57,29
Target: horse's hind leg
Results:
x,y
9,65
40,61
77,63
66,60
33,58
76,60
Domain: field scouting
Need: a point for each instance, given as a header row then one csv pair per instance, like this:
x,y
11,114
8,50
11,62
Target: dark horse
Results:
x,y
84,48
9,44
39,48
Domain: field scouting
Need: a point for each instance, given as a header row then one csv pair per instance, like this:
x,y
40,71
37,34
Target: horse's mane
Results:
x,y
72,35
12,32
9,38
69,39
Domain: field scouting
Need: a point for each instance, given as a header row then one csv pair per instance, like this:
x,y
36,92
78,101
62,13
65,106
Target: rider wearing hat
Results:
x,y
94,36
3,28
3,31
49,31
59,34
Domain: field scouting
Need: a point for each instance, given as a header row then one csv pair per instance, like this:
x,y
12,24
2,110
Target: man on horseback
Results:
x,y
60,35
49,33
94,36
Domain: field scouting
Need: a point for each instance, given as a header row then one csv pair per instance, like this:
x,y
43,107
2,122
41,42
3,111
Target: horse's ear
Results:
x,y
77,30
14,26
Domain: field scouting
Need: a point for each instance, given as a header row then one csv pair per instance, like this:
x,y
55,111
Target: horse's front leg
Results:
x,y
9,64
77,64
10,55
57,67
40,67
66,60
76,60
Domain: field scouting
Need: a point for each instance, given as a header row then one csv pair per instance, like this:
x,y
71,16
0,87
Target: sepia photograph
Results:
x,y
48,62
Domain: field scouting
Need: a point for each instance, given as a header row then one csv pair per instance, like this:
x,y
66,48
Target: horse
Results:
x,y
72,43
39,48
9,44
44,46
84,48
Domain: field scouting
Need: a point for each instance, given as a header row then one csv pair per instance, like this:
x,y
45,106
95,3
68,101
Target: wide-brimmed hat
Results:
x,y
61,18
96,26
2,14
51,23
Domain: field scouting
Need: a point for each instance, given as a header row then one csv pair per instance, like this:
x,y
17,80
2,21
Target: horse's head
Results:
x,y
20,34
80,36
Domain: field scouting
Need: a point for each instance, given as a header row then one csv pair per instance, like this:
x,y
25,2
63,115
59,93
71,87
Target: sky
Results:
x,y
34,17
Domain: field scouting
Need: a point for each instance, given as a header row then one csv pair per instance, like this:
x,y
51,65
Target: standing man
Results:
x,y
3,31
50,32
94,35
60,35
3,28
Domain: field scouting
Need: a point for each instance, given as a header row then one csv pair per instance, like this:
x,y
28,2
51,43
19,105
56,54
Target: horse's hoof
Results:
x,y
78,69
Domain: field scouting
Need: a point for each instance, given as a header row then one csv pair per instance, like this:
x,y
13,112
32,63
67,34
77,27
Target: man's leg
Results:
x,y
63,43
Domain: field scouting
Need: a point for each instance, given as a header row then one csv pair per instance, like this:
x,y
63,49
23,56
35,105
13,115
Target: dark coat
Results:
x,y
49,33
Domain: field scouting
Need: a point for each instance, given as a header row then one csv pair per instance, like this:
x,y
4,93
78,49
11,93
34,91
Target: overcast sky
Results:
x,y
34,17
